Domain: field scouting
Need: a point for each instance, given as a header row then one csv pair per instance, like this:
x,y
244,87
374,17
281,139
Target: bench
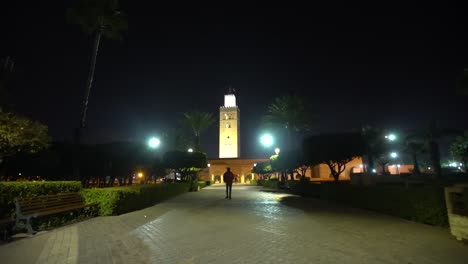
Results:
x,y
27,208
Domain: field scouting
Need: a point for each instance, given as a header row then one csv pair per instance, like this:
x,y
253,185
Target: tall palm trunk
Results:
x,y
84,109
89,83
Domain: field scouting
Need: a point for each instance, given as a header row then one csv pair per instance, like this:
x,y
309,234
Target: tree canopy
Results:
x,y
20,134
334,150
198,122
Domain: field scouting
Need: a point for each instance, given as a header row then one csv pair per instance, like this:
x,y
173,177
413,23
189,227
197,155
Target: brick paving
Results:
x,y
254,227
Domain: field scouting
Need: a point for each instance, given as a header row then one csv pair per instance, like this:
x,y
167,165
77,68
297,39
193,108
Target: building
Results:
x,y
229,152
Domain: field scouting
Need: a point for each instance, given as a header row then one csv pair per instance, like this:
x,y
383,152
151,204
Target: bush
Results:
x,y
208,183
261,182
203,184
424,204
10,190
120,200
273,183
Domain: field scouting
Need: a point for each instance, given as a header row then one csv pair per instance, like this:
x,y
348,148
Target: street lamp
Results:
x,y
277,151
391,137
394,155
190,150
154,142
266,140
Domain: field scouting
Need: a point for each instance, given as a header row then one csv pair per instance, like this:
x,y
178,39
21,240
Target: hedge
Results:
x,y
273,184
203,184
10,190
424,204
120,200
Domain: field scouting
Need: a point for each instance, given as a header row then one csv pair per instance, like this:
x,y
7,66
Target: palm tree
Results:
x,y
198,122
100,18
289,113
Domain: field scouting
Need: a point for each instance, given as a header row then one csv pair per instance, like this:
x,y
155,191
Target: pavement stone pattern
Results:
x,y
256,226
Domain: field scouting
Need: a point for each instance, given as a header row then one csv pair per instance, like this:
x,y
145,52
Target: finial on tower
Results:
x,y
231,90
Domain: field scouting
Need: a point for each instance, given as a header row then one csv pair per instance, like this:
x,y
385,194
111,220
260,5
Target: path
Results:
x,y
254,227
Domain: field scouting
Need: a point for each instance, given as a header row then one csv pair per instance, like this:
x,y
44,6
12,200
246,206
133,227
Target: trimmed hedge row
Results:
x,y
273,184
120,200
424,204
203,184
10,190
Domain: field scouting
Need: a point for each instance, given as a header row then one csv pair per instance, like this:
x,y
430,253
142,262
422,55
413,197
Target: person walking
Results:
x,y
228,177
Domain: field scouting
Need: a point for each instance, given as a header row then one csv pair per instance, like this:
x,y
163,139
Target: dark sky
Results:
x,y
389,66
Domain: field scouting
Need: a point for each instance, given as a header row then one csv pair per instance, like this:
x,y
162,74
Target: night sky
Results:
x,y
388,66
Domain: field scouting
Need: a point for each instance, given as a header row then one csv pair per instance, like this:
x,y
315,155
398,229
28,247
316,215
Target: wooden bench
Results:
x,y
27,208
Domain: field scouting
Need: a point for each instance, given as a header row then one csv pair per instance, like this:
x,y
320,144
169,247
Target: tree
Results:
x,y
430,136
334,150
198,122
414,149
99,18
188,164
19,134
459,148
263,168
375,145
289,113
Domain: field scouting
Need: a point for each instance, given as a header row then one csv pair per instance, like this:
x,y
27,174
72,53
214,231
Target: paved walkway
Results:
x,y
254,227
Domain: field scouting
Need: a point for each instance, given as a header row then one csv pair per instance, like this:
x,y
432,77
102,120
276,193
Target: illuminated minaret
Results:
x,y
229,128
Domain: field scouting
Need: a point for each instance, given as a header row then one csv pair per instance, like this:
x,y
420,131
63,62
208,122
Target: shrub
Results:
x,y
424,204
119,200
273,183
10,190
203,184
261,182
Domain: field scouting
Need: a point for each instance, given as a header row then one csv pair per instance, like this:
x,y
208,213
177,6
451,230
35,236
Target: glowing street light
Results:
x,y
266,140
140,175
391,137
277,151
154,142
190,150
393,155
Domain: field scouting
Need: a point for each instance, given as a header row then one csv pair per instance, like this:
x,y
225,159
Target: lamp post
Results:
x,y
277,151
394,155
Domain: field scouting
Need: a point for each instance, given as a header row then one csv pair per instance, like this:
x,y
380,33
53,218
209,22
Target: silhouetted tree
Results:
x,y
99,18
459,148
334,150
198,122
289,113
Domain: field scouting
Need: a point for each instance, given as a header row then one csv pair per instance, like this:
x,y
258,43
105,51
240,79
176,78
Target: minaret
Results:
x,y
229,127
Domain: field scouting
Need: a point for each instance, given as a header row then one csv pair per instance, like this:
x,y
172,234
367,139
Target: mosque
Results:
x,y
229,152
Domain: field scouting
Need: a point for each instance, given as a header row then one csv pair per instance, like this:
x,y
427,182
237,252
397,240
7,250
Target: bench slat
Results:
x,y
59,210
45,209
46,204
